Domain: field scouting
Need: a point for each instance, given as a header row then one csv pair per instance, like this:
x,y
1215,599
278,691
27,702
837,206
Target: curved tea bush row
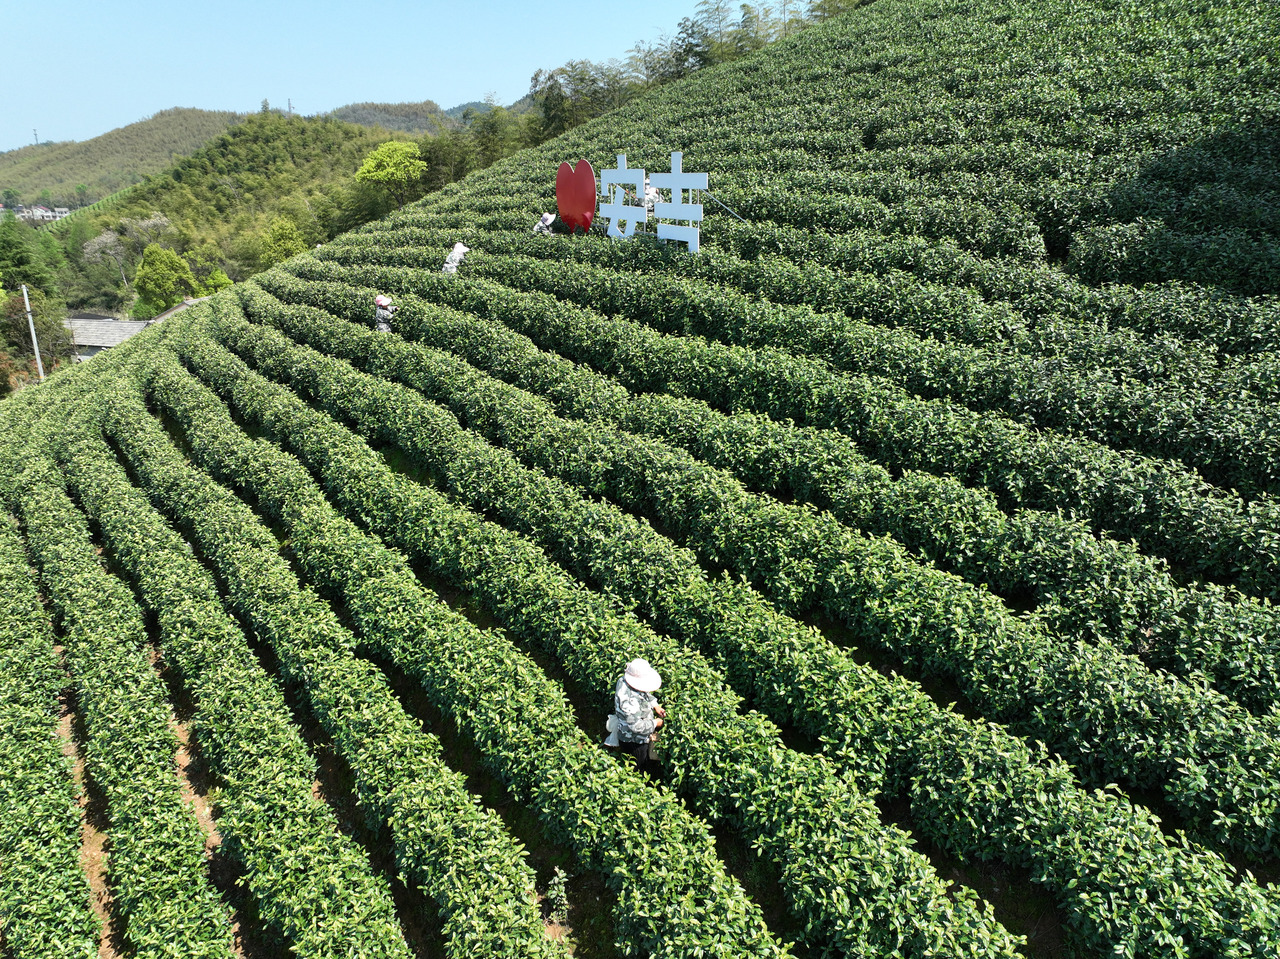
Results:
x,y
319,902
1205,424
973,225
592,540
875,894
1111,120
1086,587
1035,291
595,804
1096,334
44,895
157,869
960,295
891,205
1014,346
1168,510
443,840
891,298
1224,439
791,669
1147,250
1144,730
1117,326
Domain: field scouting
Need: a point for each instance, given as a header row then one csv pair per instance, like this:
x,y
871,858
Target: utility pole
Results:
x,y
291,106
31,325
36,133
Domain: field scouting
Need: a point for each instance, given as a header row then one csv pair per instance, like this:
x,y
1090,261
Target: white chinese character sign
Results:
x,y
616,208
678,182
628,197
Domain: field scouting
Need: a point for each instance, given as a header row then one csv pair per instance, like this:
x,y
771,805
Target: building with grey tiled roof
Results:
x,y
91,335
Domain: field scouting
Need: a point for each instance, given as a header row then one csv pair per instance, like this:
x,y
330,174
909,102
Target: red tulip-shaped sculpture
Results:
x,y
576,195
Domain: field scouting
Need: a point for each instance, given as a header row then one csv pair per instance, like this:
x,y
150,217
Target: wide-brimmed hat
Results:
x,y
382,300
640,675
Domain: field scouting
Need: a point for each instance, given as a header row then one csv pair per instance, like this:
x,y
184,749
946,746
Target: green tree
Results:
x,y
22,260
579,91
142,232
826,9
359,203
206,268
47,313
48,251
496,132
717,16
281,241
11,198
8,366
217,280
672,58
106,246
790,17
163,280
753,30
397,166
450,155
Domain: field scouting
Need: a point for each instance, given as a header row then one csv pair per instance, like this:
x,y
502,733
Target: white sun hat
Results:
x,y
382,300
640,675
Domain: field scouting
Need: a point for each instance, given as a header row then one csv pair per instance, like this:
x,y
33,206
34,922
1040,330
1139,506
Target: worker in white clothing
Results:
x,y
637,714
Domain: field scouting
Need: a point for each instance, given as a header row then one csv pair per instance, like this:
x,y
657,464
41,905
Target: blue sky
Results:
x,y
75,69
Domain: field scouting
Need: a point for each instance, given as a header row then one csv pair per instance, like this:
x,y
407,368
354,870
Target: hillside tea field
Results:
x,y
940,489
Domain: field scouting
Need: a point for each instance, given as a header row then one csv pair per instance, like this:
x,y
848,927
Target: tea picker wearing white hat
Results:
x,y
637,714
382,313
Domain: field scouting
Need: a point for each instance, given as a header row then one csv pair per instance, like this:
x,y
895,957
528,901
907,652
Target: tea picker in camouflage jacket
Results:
x,y
382,313
637,714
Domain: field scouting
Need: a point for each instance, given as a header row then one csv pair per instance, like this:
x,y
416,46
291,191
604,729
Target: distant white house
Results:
x,y
42,214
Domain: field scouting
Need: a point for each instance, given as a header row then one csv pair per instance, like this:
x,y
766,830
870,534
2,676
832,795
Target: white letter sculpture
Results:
x,y
677,181
616,208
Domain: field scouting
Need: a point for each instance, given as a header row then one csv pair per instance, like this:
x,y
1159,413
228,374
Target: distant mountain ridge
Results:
x,y
423,117
112,161
127,155
479,106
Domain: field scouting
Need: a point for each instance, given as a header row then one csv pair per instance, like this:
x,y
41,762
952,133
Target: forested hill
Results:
x,y
424,117
458,111
51,173
248,171
261,191
940,488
